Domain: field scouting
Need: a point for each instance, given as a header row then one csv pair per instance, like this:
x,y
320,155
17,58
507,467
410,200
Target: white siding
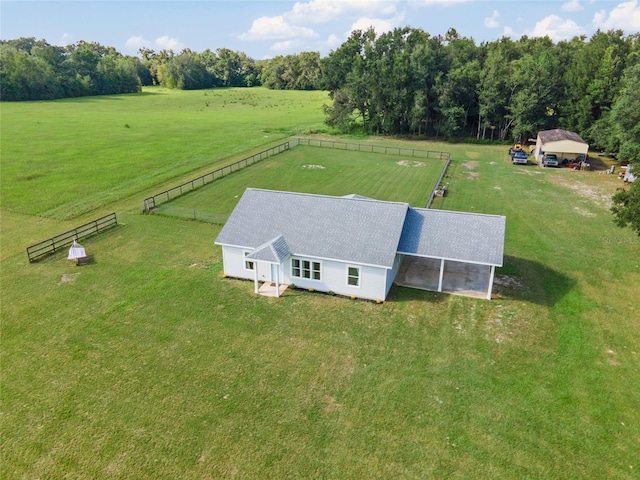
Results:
x,y
333,278
374,281
234,266
391,274
233,263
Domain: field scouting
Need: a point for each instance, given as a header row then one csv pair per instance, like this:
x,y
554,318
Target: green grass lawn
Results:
x,y
64,158
148,364
318,170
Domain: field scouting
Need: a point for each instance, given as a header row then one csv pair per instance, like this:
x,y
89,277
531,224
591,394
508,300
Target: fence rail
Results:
x,y
359,147
50,245
433,192
174,192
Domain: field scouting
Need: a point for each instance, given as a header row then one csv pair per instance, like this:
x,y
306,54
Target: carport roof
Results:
x,y
464,237
557,135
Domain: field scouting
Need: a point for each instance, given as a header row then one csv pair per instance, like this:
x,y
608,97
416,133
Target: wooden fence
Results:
x,y
360,147
174,192
50,245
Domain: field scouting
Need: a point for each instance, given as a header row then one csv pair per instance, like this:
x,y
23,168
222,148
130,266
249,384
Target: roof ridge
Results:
x,y
337,197
459,213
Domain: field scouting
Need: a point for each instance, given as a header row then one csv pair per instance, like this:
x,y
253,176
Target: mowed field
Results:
x,y
318,170
148,364
83,153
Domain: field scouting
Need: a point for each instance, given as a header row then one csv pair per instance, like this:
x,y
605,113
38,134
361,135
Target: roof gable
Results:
x,y
274,251
558,135
353,229
465,237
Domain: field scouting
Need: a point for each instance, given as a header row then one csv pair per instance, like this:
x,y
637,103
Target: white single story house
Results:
x,y
355,246
564,144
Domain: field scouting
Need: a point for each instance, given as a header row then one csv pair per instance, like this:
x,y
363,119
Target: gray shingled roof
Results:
x,y
557,135
274,251
347,229
465,237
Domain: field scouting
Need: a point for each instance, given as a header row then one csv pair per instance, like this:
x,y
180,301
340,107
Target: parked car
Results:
x,y
550,160
519,157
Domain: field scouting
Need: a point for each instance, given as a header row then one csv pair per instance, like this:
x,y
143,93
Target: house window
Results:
x,y
248,264
353,276
305,269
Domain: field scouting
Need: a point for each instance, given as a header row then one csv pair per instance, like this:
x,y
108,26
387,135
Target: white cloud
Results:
x,y
166,42
136,43
572,6
274,28
161,43
557,28
285,46
625,16
66,39
492,21
508,32
443,3
333,41
323,11
380,25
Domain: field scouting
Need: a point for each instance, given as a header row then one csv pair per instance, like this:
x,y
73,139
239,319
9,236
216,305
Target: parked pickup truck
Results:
x,y
549,160
519,157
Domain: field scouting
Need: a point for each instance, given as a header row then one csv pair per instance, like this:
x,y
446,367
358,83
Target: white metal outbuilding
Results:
x,y
564,144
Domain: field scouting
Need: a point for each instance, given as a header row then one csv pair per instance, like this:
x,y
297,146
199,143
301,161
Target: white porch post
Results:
x,y
493,271
255,276
277,280
441,275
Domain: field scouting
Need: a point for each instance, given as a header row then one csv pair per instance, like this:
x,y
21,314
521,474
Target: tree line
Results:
x,y
35,70
400,82
407,81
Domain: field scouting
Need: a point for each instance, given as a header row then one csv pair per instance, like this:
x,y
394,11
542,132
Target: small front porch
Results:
x,y
271,289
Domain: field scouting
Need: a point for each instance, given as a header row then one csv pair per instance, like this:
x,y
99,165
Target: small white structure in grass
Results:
x,y
76,251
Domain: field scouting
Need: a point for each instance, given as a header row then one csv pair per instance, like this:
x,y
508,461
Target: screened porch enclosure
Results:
x,y
448,276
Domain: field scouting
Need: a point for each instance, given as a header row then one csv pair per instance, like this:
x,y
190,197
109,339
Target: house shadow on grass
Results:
x,y
530,281
406,294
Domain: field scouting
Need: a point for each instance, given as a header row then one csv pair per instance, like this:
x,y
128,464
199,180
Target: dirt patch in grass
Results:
x,y
507,281
470,165
590,192
410,163
329,403
68,278
314,167
583,212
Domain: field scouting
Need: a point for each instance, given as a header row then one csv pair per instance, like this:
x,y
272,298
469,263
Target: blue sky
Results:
x,y
266,28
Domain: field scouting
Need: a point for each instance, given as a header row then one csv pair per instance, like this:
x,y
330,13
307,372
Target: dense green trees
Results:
x,y
292,72
625,116
34,70
406,81
190,70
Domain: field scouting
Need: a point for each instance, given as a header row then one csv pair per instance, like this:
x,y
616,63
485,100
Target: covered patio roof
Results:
x,y
457,236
